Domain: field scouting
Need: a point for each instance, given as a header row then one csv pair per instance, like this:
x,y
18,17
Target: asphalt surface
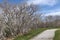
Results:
x,y
46,35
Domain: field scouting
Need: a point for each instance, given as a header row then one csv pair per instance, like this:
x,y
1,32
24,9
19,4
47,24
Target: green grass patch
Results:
x,y
31,34
57,35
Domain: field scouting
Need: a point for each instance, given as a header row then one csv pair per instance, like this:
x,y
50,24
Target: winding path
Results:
x,y
46,35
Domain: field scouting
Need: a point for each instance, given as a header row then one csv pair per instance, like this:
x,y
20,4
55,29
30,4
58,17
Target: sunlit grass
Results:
x,y
57,35
31,34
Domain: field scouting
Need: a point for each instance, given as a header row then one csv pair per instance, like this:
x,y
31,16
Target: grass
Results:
x,y
57,35
30,34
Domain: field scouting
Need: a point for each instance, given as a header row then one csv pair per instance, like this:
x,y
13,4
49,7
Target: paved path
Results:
x,y
46,35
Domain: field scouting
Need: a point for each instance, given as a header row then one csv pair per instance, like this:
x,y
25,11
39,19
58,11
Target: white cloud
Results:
x,y
53,13
43,2
1,10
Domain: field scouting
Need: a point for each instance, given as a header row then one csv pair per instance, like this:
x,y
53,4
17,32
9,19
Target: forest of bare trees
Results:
x,y
52,21
17,19
20,19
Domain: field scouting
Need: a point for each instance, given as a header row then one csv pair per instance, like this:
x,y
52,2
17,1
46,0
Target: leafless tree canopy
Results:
x,y
20,19
17,19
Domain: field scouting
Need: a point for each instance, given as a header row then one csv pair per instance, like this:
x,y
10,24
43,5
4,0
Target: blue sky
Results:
x,y
49,7
14,1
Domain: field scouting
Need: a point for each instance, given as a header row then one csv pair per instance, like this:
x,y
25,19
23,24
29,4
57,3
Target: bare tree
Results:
x,y
19,19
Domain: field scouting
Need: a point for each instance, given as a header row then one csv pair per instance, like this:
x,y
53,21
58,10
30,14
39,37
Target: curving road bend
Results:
x,y
46,35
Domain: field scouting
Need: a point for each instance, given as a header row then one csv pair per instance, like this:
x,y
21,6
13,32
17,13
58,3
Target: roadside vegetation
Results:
x,y
57,35
31,34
